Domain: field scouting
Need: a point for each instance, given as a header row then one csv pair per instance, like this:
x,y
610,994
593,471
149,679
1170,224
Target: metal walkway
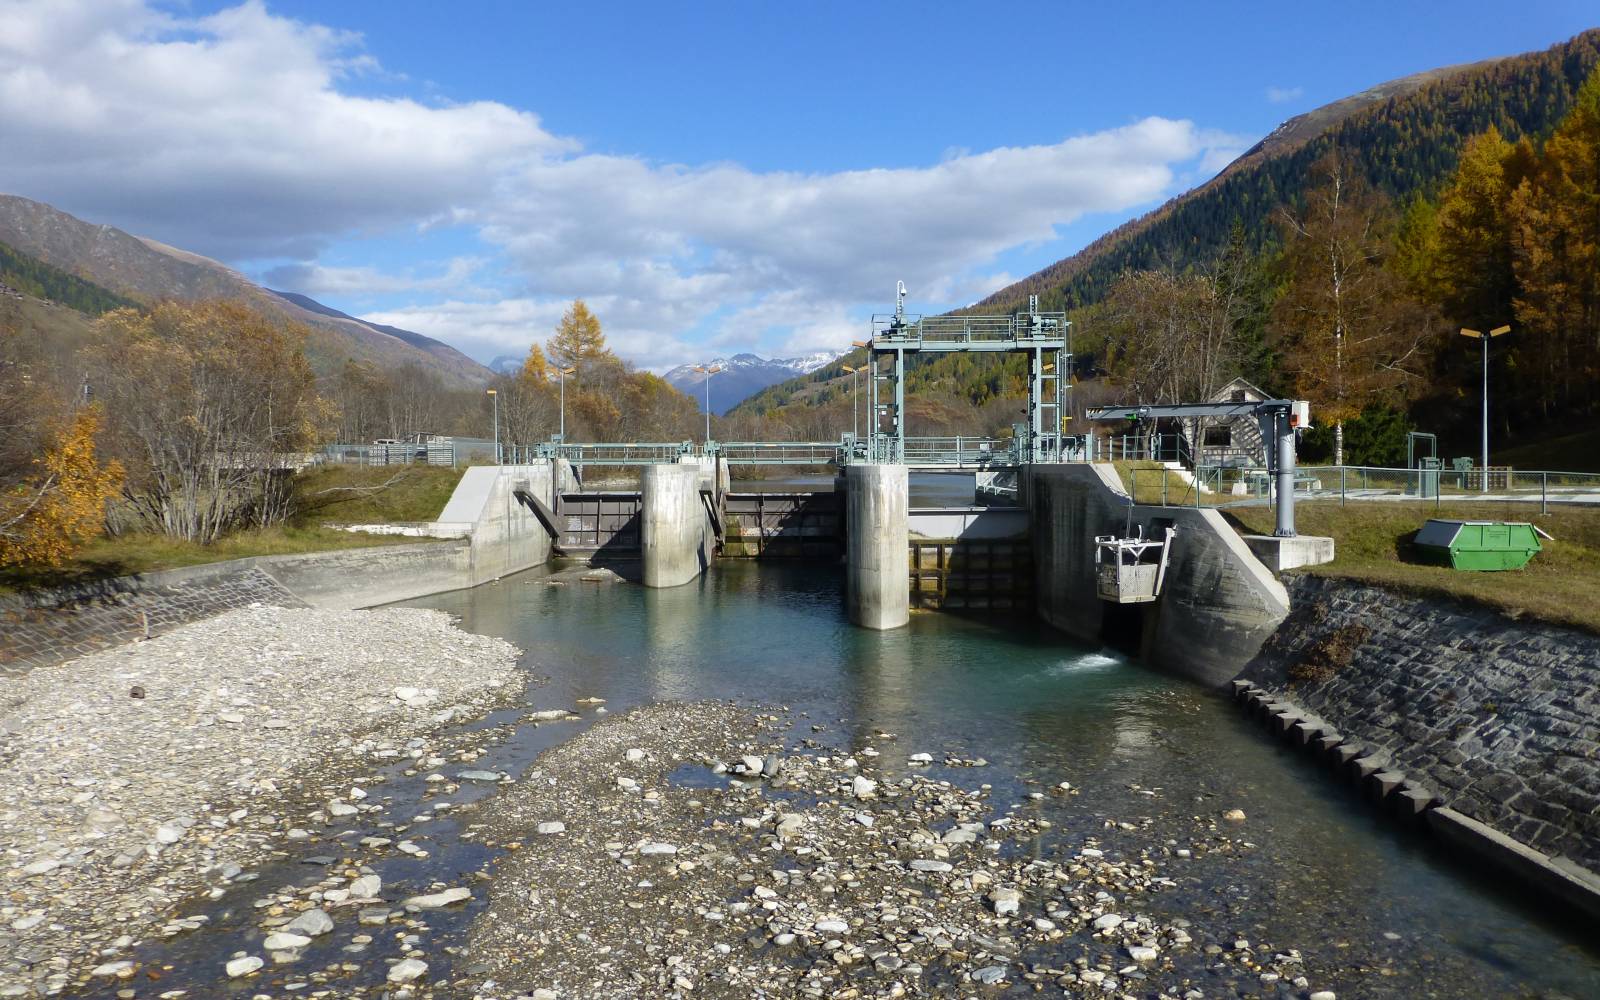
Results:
x,y
920,453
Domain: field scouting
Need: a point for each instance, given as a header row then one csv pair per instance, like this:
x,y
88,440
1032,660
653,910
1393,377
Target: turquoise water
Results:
x,y
1373,909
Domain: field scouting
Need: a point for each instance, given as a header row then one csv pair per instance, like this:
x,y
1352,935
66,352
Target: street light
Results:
x,y
709,370
1485,338
562,374
496,397
855,425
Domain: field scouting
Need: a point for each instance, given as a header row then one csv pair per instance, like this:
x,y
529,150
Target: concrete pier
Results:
x,y
675,542
878,562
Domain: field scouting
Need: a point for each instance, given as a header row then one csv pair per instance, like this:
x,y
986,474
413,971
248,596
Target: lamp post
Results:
x,y
709,370
562,374
1485,338
496,397
855,425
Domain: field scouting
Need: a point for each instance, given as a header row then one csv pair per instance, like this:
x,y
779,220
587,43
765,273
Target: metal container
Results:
x,y
1477,545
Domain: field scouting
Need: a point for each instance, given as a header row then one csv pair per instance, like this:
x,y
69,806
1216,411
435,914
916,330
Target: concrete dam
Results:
x,y
1032,549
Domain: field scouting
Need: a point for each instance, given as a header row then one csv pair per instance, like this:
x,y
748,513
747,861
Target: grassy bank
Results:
x,y
339,494
1373,545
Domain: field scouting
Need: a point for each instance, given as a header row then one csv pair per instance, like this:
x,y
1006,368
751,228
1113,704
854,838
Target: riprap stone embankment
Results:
x,y
1499,716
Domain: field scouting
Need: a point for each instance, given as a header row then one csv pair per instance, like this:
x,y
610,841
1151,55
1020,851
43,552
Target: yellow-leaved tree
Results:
x,y
50,514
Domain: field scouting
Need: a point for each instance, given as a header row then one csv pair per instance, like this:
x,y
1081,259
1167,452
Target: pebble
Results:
x,y
551,826
407,970
313,923
284,941
243,966
863,787
438,900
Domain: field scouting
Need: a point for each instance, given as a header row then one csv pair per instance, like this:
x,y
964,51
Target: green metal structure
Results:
x,y
1478,545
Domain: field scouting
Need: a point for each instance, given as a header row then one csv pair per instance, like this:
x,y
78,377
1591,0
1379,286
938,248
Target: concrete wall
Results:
x,y
506,536
1499,718
1219,603
361,578
675,540
877,560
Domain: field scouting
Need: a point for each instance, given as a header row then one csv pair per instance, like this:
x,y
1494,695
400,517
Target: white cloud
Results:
x,y
237,135
319,279
1283,95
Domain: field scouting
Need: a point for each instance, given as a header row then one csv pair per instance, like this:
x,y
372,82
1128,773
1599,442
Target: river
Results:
x,y
1373,909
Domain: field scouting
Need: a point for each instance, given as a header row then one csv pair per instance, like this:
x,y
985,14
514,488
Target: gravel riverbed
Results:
x,y
137,779
685,851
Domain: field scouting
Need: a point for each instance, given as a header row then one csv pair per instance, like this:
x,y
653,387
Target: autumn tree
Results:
x,y
535,368
61,503
1555,226
212,402
1474,283
1349,334
578,341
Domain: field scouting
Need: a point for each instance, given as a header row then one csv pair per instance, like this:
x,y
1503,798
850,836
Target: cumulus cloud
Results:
x,y
238,135
1283,95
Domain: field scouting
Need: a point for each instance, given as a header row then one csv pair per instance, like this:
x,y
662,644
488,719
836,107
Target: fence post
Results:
x,y
1544,492
1342,474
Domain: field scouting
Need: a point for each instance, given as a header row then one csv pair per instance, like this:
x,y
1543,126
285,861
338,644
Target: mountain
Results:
x,y
127,268
507,364
1406,135
742,375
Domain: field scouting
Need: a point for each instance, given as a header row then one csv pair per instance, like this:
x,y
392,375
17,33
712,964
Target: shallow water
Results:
x,y
1374,910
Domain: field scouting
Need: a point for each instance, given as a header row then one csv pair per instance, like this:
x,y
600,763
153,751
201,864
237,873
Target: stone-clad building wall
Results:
x,y
1500,717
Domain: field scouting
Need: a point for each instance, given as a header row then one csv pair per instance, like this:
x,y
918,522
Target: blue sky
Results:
x,y
712,177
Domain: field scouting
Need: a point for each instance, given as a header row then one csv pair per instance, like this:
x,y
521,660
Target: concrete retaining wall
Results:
x,y
1498,718
877,557
1219,603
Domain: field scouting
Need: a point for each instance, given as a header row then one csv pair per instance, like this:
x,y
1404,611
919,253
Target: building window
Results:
x,y
1219,437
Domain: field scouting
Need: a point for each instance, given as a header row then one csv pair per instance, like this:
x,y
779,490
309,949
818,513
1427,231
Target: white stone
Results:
x,y
1108,922
635,755
169,833
439,900
243,966
658,848
863,787
920,758
313,923
407,970
111,969
1006,901
1141,953
831,926
284,941
366,887
551,826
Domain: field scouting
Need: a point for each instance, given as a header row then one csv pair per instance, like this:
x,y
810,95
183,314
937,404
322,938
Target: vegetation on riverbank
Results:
x,y
338,494
1373,545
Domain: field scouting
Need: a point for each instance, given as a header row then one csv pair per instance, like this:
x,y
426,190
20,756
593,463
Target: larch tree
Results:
x,y
578,341
1555,223
1349,334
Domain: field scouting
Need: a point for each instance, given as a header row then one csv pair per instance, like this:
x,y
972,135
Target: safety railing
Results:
x,y
1046,330
1212,486
777,452
959,452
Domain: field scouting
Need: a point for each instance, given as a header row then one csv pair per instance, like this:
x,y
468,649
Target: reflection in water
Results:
x,y
1144,749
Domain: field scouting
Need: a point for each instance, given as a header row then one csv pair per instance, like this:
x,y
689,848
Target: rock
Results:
x,y
920,758
831,926
1005,901
635,755
366,887
27,923
750,765
1141,953
111,969
243,966
340,809
658,848
479,776
407,970
549,715
312,923
284,941
1110,921
543,994
771,766
627,784
41,867
169,833
789,825
1324,995
991,974
925,865
406,693
863,787
1234,815
551,826
438,900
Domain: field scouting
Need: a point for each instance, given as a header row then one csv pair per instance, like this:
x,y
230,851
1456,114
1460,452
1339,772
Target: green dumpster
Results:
x,y
1477,545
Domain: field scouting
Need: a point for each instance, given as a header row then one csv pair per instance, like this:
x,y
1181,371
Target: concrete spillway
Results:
x,y
878,562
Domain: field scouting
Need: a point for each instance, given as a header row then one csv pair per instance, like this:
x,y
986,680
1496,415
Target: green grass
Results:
x,y
349,494
338,494
1372,545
